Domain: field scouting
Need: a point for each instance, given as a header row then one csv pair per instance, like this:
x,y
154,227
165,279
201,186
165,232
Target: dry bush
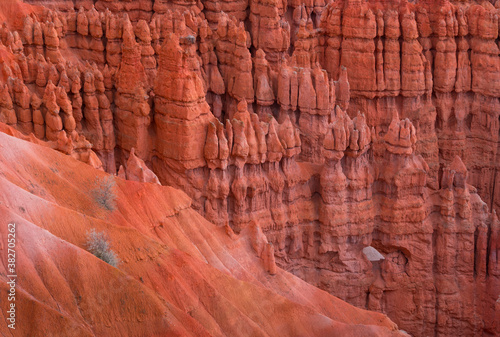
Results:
x,y
98,244
104,193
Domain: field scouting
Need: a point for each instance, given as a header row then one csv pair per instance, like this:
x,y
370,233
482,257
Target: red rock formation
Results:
x,y
135,9
7,112
232,42
137,170
182,275
148,60
181,111
335,128
269,31
91,123
132,117
113,35
359,29
213,10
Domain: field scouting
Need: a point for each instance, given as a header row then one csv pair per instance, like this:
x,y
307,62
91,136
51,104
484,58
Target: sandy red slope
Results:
x,y
12,12
179,275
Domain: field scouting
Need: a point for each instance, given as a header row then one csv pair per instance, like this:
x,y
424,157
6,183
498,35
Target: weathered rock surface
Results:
x,y
319,128
179,275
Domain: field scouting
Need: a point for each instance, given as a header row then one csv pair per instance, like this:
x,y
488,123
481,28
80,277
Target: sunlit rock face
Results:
x,y
331,127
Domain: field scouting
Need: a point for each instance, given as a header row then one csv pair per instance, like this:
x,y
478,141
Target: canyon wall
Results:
x,y
176,274
337,129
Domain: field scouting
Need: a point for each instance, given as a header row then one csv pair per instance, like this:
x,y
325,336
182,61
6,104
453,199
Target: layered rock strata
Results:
x,y
329,128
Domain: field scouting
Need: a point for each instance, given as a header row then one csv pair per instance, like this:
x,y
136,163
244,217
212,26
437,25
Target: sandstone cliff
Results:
x,y
179,275
328,128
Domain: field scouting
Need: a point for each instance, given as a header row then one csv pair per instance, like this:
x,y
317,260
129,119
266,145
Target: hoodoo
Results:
x,y
254,167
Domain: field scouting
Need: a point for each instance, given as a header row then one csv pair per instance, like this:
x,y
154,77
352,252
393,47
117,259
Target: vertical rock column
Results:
x,y
269,31
216,153
315,103
22,99
38,119
7,112
76,98
460,244
216,87
53,121
107,155
262,85
181,112
132,108
359,29
91,124
444,77
331,23
235,63
404,232
113,45
417,96
213,10
482,151
345,209
66,112
52,43
148,60
392,54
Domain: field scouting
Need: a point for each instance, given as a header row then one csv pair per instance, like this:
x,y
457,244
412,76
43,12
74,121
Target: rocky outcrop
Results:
x,y
136,170
181,274
131,99
270,32
324,130
181,111
235,62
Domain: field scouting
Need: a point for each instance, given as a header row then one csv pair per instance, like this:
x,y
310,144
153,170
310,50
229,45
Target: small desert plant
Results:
x,y
104,193
98,244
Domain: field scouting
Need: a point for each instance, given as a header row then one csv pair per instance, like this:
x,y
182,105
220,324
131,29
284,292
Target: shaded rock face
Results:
x,y
329,127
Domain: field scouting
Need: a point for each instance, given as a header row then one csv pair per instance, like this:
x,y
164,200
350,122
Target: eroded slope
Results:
x,y
179,275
